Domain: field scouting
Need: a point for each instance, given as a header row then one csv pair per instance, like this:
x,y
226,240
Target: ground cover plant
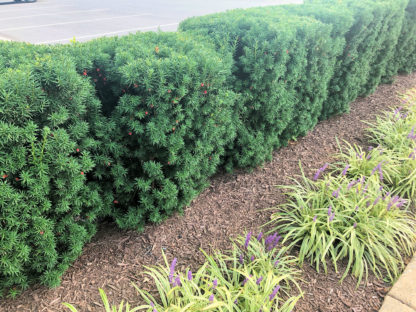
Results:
x,y
255,275
360,211
131,128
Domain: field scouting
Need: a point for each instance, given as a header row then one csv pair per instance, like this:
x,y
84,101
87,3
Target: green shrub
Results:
x,y
169,125
48,209
282,66
336,218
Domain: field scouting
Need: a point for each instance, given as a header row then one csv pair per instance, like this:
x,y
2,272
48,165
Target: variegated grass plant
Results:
x,y
356,220
256,275
395,131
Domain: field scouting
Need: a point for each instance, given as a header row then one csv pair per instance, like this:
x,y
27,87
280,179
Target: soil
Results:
x,y
232,204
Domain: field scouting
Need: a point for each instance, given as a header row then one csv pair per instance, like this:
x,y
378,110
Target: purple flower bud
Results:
x,y
377,200
351,184
370,148
381,188
336,193
355,225
259,280
356,208
344,172
316,176
252,258
314,218
189,275
368,156
211,298
177,281
368,203
214,283
236,301
329,210
172,270
276,263
247,240
241,260
331,217
273,294
246,279
260,236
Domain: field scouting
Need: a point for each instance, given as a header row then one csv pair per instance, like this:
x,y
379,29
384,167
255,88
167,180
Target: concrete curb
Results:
x,y
402,297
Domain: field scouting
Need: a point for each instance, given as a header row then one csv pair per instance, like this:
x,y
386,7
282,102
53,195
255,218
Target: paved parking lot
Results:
x,y
58,21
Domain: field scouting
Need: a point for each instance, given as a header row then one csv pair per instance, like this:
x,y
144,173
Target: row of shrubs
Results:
x,y
131,128
358,211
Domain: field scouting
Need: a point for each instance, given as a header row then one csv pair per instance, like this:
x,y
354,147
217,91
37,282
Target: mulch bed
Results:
x,y
231,205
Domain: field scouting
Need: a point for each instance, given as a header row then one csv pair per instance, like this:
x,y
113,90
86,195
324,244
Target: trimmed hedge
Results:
x,y
48,210
131,128
282,68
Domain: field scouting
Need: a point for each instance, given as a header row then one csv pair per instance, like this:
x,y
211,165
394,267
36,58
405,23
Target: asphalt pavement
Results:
x,y
59,21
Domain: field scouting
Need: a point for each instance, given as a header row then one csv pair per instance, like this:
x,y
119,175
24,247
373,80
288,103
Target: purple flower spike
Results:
x,y
324,167
259,236
354,225
370,148
329,210
189,275
276,263
368,156
356,208
172,270
314,218
336,192
211,298
246,280
344,172
331,217
368,203
252,258
273,294
316,176
259,280
236,301
214,283
377,200
177,281
241,260
351,184
247,240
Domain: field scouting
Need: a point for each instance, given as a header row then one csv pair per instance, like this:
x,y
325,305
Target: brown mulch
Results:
x,y
230,206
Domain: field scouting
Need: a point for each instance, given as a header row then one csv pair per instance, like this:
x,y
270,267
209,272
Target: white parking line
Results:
x,y
21,6
73,22
108,33
48,14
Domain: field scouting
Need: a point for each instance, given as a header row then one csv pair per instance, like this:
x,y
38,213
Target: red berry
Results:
x,y
287,51
85,73
168,162
177,121
78,150
169,91
82,172
130,133
205,92
41,232
115,201
98,69
146,113
202,84
17,179
173,129
105,79
5,176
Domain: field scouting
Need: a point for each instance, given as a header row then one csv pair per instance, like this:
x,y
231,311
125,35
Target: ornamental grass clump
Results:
x,y
256,275
351,220
395,131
